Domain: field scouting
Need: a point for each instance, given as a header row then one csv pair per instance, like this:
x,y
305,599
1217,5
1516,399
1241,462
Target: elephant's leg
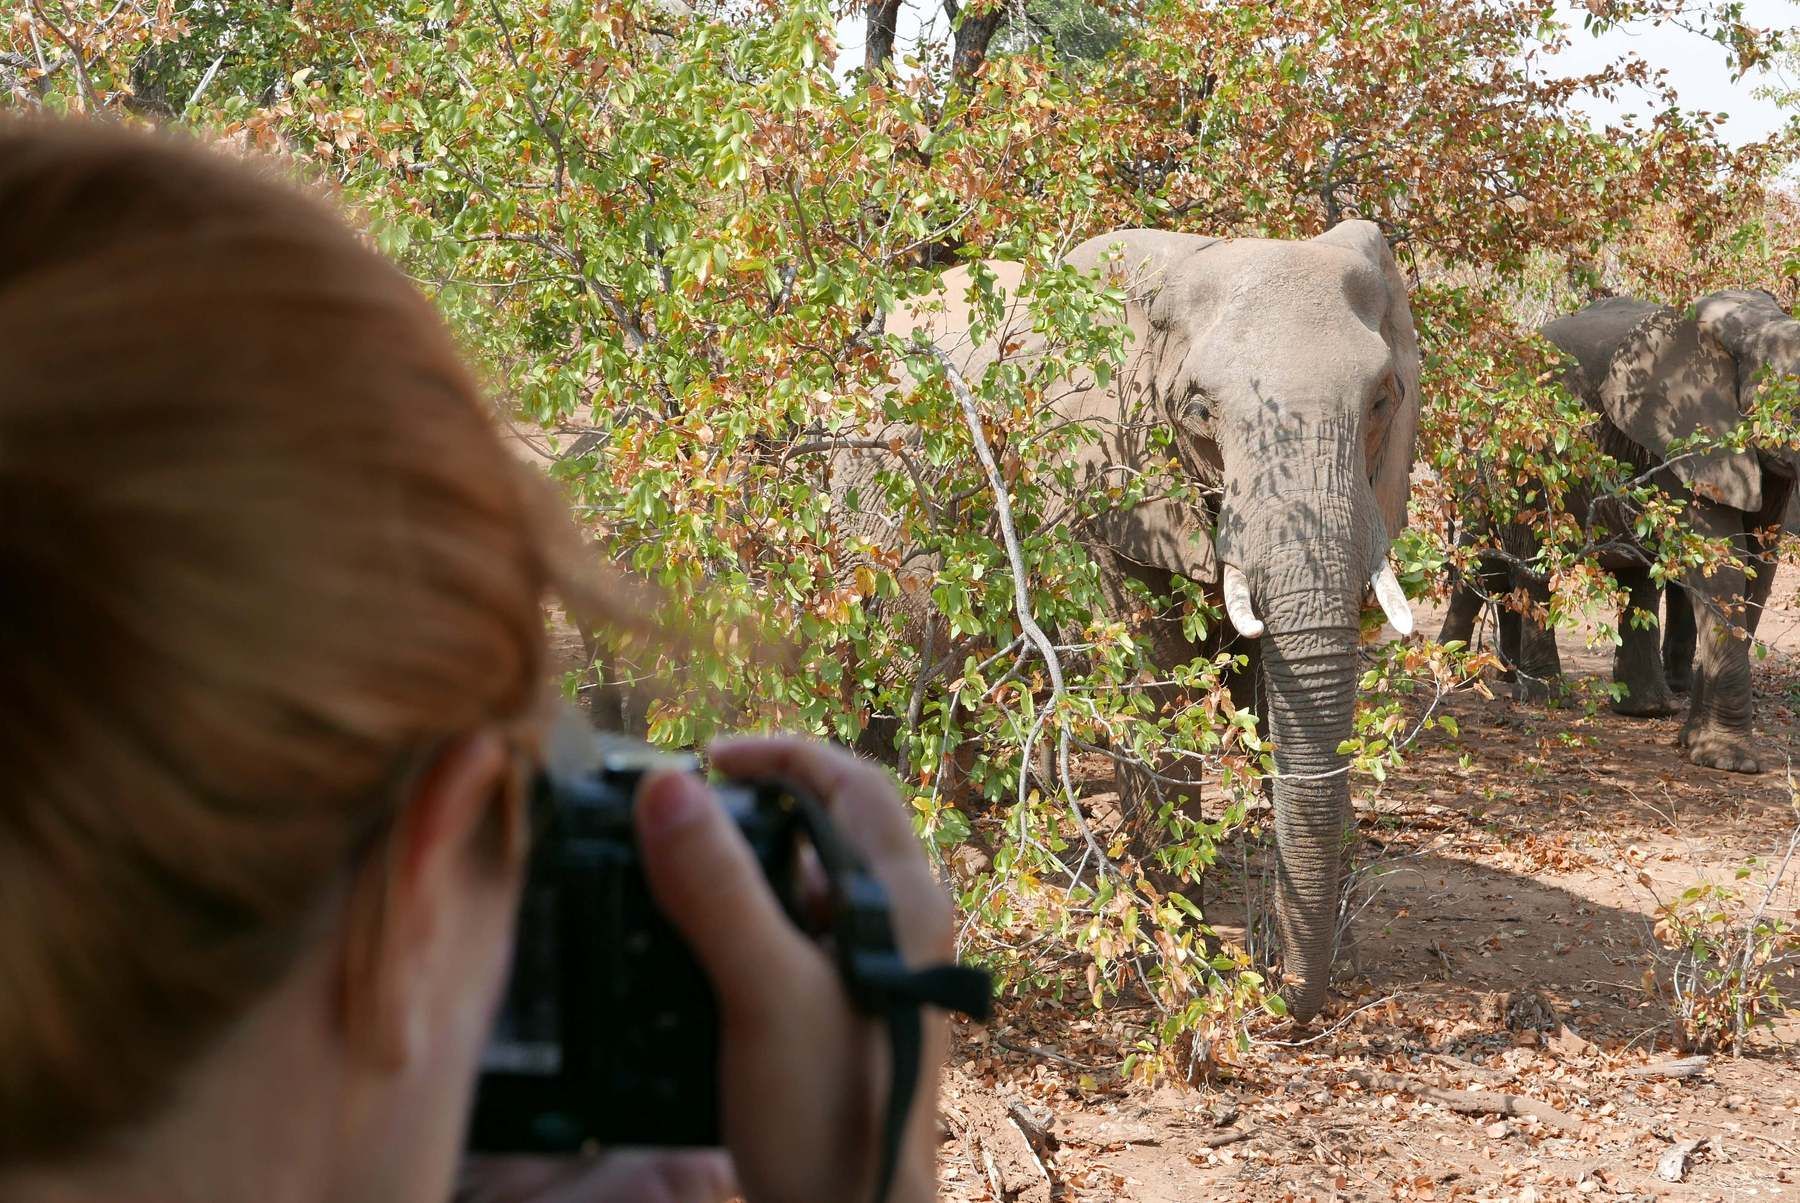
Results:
x,y
1637,663
1720,731
1464,609
1678,639
1246,684
1697,691
1758,589
1469,596
1539,665
1511,637
1146,783
1526,644
1250,691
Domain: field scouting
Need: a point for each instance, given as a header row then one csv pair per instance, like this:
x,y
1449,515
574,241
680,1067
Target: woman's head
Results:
x,y
265,567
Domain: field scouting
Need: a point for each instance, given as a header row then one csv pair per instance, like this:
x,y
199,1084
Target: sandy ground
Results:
x,y
1520,861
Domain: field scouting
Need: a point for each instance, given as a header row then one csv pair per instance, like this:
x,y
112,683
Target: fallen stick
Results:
x,y
1459,1065
1038,1050
1037,1142
1218,1140
1468,1102
1686,1067
1036,1125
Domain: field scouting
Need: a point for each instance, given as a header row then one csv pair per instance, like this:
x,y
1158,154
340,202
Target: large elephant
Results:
x,y
1287,373
1653,375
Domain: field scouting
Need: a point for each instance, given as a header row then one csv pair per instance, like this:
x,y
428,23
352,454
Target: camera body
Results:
x,y
608,1032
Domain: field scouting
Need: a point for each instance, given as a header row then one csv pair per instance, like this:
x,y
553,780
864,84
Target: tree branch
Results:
x,y
553,136
83,85
959,388
1468,1102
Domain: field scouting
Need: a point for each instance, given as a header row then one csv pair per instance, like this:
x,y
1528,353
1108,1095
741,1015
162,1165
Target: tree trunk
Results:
x,y
973,33
883,28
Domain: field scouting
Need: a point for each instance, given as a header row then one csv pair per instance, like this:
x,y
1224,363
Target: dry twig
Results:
x,y
1686,1067
1468,1102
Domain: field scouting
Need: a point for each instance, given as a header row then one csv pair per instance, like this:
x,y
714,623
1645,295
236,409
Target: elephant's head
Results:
x,y
1763,341
1289,372
1661,375
1755,331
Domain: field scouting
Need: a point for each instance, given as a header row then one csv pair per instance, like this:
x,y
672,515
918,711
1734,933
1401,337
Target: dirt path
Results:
x,y
1519,862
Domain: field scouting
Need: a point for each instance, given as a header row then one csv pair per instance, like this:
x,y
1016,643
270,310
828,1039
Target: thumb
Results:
x,y
706,880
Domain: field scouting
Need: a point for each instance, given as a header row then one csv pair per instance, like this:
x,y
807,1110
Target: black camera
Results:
x,y
608,1032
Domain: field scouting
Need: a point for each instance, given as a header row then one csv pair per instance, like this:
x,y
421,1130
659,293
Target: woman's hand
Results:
x,y
628,1176
803,1077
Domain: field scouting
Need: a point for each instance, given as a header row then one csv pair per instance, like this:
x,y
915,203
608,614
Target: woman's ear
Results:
x,y
450,860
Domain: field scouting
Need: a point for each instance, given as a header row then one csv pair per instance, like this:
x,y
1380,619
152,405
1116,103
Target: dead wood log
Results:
x,y
1685,1067
1230,1136
1468,1102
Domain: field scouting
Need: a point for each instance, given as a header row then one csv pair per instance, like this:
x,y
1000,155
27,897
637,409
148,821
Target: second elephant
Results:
x,y
1654,375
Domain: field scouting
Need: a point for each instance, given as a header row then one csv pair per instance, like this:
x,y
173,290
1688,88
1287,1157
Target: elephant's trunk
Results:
x,y
1309,573
1311,678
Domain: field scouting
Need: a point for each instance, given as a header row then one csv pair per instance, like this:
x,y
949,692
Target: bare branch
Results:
x,y
1022,610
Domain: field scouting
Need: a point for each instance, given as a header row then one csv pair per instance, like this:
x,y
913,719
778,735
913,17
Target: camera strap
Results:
x,y
877,979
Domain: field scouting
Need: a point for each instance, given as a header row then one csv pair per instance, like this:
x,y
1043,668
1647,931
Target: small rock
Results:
x,y
1529,1011
1672,1166
1499,1130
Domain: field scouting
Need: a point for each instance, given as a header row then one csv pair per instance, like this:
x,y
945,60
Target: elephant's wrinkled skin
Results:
x,y
1652,375
1288,373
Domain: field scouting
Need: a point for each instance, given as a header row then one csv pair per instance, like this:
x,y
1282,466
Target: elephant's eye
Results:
x,y
1384,393
1196,406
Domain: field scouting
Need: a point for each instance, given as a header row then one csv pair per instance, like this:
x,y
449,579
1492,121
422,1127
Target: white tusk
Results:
x,y
1237,603
1392,599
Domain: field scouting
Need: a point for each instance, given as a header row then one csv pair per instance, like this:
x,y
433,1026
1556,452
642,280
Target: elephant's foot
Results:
x,y
1527,688
1724,748
1680,680
1646,701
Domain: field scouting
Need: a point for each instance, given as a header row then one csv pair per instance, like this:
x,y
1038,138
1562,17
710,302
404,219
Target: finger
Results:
x,y
864,802
706,880
653,1176
507,1179
813,891
639,1175
861,796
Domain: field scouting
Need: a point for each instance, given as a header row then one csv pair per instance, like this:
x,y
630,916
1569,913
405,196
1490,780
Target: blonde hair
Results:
x,y
260,545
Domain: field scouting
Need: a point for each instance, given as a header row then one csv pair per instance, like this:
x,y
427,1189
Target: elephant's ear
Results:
x,y
1164,534
945,314
1391,459
1146,265
1667,380
1755,331
1592,336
